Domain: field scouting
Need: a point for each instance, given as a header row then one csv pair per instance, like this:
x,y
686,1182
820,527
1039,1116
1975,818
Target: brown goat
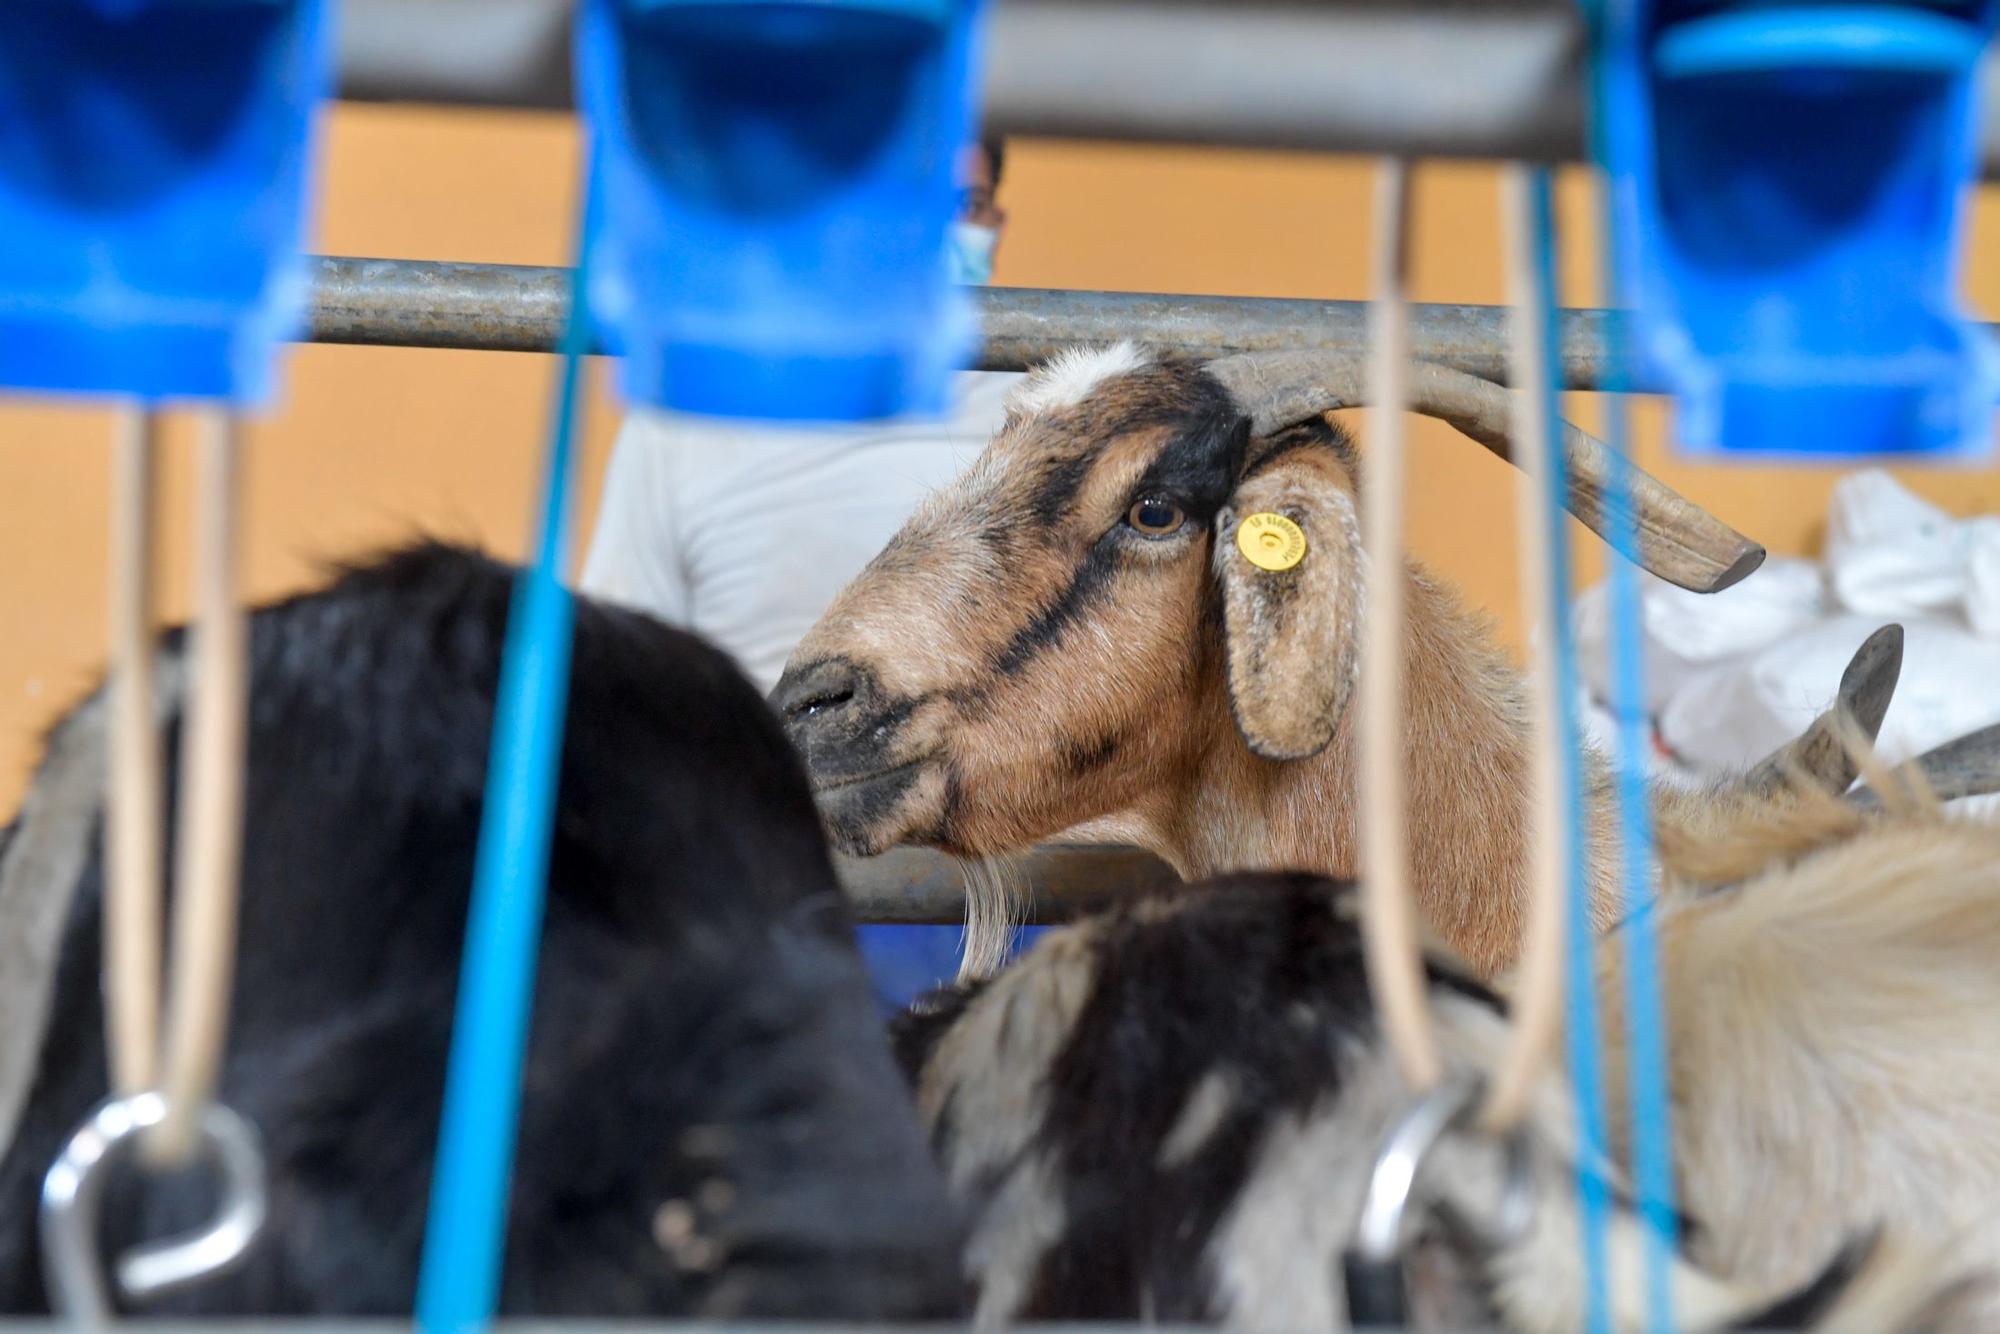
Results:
x,y
1067,641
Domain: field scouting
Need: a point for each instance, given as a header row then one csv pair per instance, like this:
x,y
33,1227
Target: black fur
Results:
x,y
1257,977
1199,466
1195,467
1317,433
1176,998
1086,587
1805,1307
701,1015
1055,490
916,1031
1084,757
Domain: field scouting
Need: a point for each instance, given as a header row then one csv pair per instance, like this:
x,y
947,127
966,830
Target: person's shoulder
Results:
x,y
982,380
984,393
656,426
719,444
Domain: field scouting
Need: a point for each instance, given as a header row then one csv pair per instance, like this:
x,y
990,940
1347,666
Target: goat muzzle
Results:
x,y
849,732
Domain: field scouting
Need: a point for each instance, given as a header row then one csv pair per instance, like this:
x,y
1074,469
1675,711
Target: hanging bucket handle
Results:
x,y
73,1197
1377,1287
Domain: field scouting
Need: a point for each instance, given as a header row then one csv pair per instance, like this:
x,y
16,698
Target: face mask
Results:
x,y
969,253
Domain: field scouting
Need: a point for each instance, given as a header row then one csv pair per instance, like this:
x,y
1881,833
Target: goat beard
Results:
x,y
996,902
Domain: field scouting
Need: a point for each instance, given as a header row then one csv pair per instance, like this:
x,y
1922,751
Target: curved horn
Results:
x,y
1822,752
1967,767
1678,540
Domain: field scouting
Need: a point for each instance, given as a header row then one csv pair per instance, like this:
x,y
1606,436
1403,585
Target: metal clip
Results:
x,y
73,1194
1377,1293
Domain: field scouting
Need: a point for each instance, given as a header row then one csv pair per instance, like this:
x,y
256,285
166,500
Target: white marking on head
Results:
x,y
1067,378
1201,1116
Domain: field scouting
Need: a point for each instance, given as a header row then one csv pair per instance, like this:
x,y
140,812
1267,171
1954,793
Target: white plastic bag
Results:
x,y
1982,578
1737,713
1685,634
1891,554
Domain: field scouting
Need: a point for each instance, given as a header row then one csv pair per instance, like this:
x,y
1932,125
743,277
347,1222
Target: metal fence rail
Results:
x,y
519,308
1063,881
1447,78
516,308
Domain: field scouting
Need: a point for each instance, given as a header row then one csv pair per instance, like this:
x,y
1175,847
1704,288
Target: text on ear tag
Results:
x,y
1271,541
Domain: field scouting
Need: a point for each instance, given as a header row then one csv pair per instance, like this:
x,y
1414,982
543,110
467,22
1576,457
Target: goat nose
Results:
x,y
816,692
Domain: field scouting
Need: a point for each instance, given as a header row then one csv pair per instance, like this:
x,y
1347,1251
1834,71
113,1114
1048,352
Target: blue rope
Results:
x,y
1646,1029
465,1239
1646,1041
1586,1078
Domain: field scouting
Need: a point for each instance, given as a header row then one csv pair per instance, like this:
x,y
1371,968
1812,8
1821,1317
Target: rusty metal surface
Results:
x,y
515,308
1060,881
428,303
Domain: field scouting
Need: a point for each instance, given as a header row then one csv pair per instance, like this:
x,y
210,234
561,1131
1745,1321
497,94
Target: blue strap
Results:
x,y
1586,1078
465,1240
1646,1032
1646,1042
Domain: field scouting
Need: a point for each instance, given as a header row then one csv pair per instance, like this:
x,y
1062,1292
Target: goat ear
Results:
x,y
1291,634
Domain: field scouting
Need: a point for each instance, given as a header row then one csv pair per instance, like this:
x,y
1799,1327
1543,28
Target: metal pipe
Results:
x,y
512,308
1497,79
1064,880
1452,78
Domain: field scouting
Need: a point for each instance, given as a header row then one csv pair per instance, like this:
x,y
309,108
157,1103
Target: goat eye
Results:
x,y
1156,517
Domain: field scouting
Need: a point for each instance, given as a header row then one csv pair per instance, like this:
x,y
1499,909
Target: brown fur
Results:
x,y
1020,665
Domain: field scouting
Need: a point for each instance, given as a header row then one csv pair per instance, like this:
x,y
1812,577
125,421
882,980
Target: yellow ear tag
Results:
x,y
1271,541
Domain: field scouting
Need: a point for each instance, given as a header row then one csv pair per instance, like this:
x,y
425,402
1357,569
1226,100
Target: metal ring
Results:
x,y
73,1194
1378,1237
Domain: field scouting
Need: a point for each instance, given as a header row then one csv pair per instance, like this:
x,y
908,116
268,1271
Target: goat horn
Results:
x,y
1821,752
1678,540
1967,767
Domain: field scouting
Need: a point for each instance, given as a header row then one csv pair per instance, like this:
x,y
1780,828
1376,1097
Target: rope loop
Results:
x,y
1377,1290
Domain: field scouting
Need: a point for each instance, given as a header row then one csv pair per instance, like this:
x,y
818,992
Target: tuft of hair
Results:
x,y
996,900
1751,836
1755,838
1067,378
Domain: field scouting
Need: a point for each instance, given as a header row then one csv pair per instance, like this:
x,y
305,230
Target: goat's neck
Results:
x,y
1466,740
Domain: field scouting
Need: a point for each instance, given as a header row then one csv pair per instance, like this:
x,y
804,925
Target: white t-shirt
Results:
x,y
744,532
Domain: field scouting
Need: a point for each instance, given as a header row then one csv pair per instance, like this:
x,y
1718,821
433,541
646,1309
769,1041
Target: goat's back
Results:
x,y
712,1123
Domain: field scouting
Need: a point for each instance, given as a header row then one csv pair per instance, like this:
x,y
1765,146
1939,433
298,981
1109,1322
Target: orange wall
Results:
x,y
373,444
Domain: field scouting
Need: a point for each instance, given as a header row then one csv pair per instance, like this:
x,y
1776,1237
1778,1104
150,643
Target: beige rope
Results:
x,y
1388,919
132,856
211,803
1537,997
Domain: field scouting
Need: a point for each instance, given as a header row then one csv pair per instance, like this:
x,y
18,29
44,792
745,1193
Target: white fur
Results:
x,y
996,901
1067,378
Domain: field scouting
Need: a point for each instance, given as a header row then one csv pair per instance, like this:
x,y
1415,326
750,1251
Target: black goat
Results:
x,y
713,1123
